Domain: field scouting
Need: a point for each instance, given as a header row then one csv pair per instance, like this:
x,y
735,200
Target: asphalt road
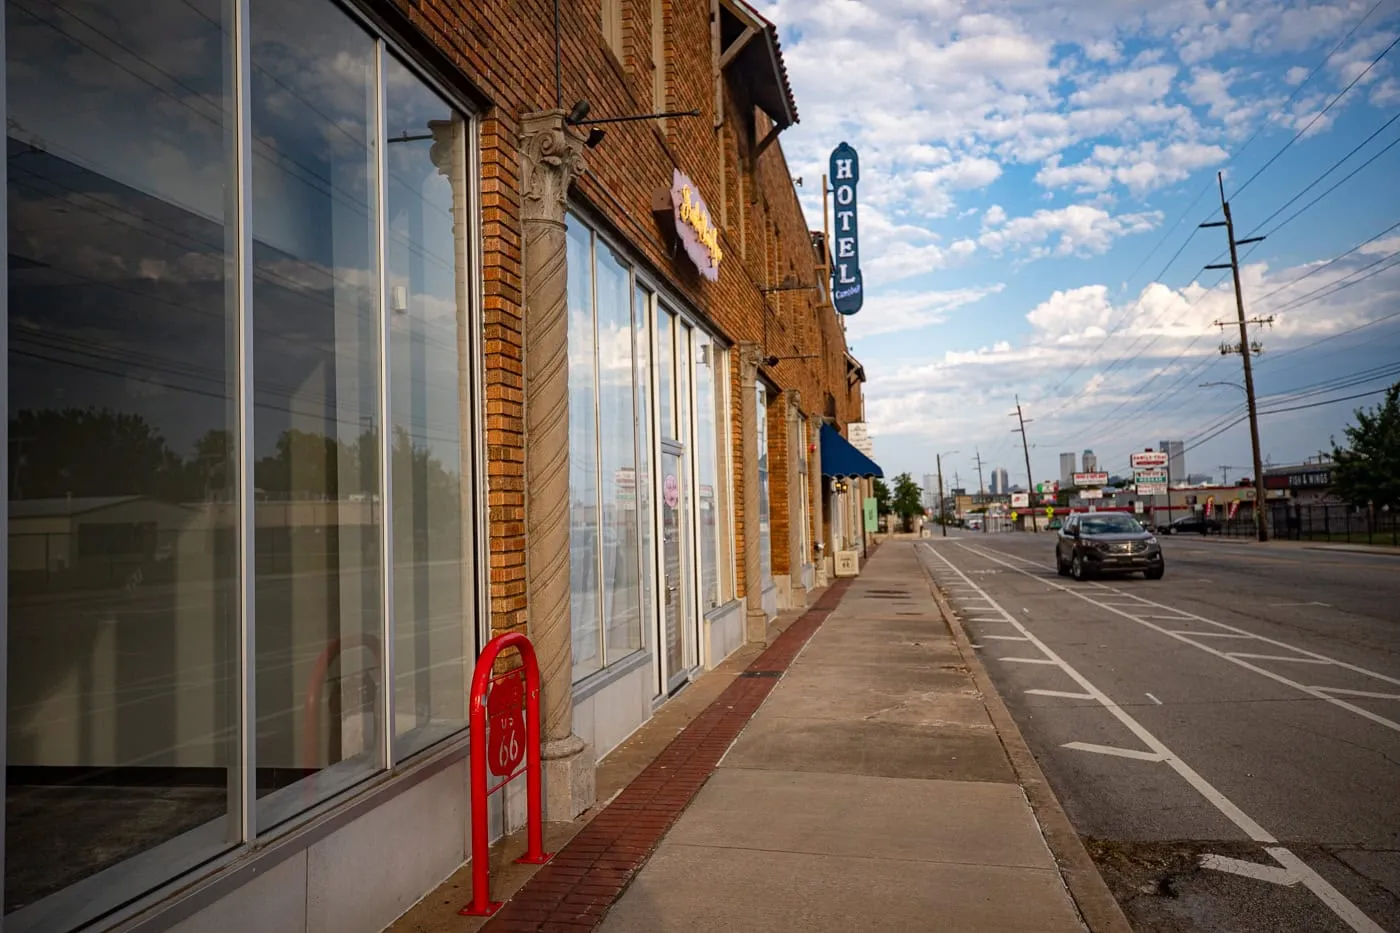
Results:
x,y
1226,740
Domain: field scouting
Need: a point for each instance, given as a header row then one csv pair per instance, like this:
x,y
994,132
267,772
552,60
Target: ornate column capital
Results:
x,y
794,401
750,356
551,158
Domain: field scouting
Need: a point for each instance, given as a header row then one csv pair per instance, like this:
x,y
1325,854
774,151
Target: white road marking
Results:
x,y
1201,634
1313,603
1114,751
1270,873
1349,912
1343,908
1063,694
1277,657
1154,699
1242,662
1005,637
1360,693
1028,660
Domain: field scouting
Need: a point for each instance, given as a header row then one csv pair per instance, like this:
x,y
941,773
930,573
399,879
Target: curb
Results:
x,y
1097,906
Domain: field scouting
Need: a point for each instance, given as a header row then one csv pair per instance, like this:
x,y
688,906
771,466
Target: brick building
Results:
x,y
340,339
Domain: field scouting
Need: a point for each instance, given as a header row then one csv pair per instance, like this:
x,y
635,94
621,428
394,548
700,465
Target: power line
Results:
x,y
1331,262
1330,104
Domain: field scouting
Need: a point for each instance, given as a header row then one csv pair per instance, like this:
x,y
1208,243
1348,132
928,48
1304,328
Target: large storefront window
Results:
x,y
711,497
765,527
135,363
606,569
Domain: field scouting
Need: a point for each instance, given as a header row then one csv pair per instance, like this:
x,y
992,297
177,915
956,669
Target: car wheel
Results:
x,y
1077,568
1155,573
1171,531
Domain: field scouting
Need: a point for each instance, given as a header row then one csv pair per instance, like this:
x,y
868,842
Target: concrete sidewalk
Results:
x,y
870,791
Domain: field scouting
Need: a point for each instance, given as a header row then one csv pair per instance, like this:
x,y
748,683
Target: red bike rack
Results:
x,y
505,700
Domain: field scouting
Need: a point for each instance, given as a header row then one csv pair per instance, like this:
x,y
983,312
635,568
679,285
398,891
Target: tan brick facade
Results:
x,y
501,52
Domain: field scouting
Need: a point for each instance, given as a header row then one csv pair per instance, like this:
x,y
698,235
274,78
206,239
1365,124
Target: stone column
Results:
x,y
797,598
551,158
814,476
755,619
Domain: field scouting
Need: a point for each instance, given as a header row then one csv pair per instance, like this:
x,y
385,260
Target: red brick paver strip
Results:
x,y
587,876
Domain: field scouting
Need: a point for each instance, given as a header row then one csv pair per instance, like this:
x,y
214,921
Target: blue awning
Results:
x,y
840,458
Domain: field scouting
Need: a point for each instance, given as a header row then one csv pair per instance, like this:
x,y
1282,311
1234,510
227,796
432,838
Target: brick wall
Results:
x,y
502,52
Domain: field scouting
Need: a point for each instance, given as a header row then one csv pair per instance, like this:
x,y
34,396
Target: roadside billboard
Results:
x,y
1090,479
1149,458
1020,500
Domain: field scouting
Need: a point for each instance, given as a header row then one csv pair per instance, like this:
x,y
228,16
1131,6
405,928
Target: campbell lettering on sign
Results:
x,y
847,288
698,233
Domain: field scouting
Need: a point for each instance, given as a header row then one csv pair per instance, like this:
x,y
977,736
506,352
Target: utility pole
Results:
x,y
942,517
982,491
1245,349
1030,480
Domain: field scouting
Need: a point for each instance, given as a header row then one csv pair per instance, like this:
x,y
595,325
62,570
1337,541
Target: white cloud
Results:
x,y
1078,229
1140,168
1126,88
995,216
1295,75
909,311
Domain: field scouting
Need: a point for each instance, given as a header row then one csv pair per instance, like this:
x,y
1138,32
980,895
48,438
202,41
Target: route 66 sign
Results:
x,y
505,711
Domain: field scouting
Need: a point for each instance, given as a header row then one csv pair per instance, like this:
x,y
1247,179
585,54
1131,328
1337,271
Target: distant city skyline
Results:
x,y
1176,456
1068,468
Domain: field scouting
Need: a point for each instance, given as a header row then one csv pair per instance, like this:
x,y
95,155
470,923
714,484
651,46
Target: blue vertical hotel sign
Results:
x,y
847,291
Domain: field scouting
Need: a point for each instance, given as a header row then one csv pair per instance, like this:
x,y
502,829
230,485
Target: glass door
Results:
x,y
675,561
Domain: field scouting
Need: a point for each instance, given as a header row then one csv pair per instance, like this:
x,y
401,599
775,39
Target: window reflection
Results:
x,y
642,308
617,474
426,195
583,459
315,439
706,446
765,528
121,611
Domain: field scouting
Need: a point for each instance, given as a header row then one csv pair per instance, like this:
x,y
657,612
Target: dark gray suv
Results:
x,y
1093,543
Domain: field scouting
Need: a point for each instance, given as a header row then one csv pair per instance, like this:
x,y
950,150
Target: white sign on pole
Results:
x,y
1090,479
1149,458
1020,500
1091,493
1152,489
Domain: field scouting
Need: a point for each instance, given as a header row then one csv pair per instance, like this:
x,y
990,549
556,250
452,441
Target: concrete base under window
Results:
x,y
360,877
770,599
606,714
723,632
809,577
782,583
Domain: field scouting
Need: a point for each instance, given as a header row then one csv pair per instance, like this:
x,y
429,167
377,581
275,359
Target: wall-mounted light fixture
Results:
x,y
578,116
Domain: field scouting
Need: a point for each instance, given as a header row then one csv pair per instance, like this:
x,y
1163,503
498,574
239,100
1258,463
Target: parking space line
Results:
x,y
1360,693
1277,657
1028,660
1348,912
1113,750
1004,637
1062,694
1244,662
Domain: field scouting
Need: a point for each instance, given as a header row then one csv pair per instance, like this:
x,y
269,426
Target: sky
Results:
x,y
1032,180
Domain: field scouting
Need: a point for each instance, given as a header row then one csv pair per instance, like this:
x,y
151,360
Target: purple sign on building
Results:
x,y
697,232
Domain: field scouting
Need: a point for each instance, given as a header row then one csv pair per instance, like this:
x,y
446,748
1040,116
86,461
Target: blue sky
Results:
x,y
1032,178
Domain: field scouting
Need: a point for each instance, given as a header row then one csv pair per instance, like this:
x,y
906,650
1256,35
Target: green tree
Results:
x,y
882,497
908,498
1367,471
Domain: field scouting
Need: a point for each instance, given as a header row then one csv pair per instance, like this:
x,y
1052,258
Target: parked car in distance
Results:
x,y
1055,524
1096,543
1189,524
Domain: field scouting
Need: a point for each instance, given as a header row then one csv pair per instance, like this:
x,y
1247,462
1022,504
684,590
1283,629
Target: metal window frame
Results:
x,y
384,702
4,458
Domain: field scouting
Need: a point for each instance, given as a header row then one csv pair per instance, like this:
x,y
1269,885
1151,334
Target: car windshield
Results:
x,y
1109,525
